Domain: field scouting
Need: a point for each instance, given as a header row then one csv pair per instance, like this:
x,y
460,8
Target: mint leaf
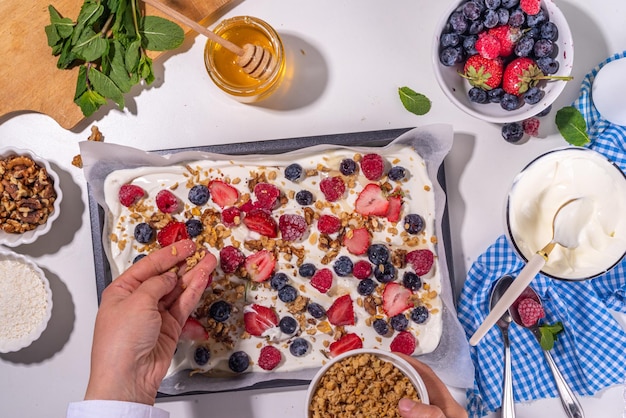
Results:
x,y
549,335
414,102
89,102
160,34
90,45
572,126
106,87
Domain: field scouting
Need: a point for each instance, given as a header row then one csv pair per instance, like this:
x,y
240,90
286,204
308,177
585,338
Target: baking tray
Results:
x,y
277,146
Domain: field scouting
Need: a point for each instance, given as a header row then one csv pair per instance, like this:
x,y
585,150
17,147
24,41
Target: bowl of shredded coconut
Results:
x,y
25,301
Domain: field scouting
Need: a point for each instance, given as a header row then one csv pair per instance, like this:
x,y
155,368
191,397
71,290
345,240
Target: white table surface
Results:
x,y
326,44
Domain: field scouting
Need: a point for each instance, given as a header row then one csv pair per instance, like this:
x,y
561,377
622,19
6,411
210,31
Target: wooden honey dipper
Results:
x,y
255,60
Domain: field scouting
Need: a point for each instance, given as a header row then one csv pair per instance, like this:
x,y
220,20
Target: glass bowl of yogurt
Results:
x,y
551,180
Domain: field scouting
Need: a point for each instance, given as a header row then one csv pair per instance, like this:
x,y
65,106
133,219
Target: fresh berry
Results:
x,y
258,319
372,201
307,270
530,311
548,65
507,36
294,172
469,45
413,223
533,95
201,355
381,327
261,221
399,322
231,258
171,233
372,166
537,19
523,73
411,281
198,194
488,46
279,280
346,343
328,224
220,310
305,198
478,95
491,19
449,39
471,10
143,233
194,227
347,167
451,56
492,4
419,315
510,102
333,188
231,216
378,253
322,280
223,194
362,269
238,362
509,4
193,331
316,310
503,16
495,95
299,347
404,343
458,22
396,299
517,18
483,72
513,132
524,46
166,201
266,196
366,287
394,209
139,257
269,357
421,260
287,294
531,126
530,7
543,48
292,227
397,173
549,31
129,194
343,266
357,241
288,325
260,265
385,272
341,311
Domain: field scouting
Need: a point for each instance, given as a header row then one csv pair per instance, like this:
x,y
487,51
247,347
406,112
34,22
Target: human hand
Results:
x,y
140,319
442,404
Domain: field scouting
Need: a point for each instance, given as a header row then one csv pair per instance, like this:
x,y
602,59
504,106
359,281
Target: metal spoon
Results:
x,y
508,404
570,403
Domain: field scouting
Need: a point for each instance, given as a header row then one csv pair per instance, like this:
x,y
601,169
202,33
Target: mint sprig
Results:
x,y
549,334
414,102
572,126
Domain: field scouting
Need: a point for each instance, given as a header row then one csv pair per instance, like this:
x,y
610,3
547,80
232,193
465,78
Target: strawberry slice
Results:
x,y
341,311
223,194
421,260
171,233
193,331
261,221
322,280
357,241
404,343
266,195
129,194
346,343
258,319
260,265
372,201
396,299
394,209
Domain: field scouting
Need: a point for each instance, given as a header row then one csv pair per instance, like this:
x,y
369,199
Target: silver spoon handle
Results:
x,y
572,406
508,404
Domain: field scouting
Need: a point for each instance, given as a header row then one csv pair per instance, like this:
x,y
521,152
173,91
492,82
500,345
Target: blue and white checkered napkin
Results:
x,y
591,353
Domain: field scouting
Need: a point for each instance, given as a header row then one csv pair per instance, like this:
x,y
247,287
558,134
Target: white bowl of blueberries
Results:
x,y
503,61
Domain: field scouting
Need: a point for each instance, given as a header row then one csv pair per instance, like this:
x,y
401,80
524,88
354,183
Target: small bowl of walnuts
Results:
x,y
363,382
30,196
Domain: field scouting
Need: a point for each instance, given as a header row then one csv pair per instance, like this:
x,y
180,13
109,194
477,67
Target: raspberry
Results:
x,y
322,280
166,201
362,270
266,195
231,216
421,260
231,259
372,166
531,7
531,127
530,311
403,343
333,188
328,224
292,227
129,194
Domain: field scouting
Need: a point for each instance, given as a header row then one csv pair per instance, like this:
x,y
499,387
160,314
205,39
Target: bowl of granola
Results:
x,y
363,381
30,196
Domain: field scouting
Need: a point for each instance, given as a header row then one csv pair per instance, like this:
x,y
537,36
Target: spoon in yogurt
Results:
x,y
569,219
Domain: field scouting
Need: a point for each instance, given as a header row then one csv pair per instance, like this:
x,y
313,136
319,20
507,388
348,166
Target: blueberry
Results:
x,y
447,39
458,22
471,10
492,4
469,45
238,361
517,18
293,172
378,253
548,65
385,272
399,322
279,280
491,19
512,132
316,310
144,233
549,31
198,194
304,198
343,266
524,46
476,27
510,102
288,325
495,95
477,95
543,48
194,227
288,293
347,166
381,326
220,311
419,315
509,4
299,347
366,287
413,223
534,33
411,281
451,55
396,173
544,112
538,19
503,15
533,95
307,270
139,257
202,355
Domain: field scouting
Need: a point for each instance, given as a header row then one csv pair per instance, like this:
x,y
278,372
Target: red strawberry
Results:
x,y
246,207
372,201
482,72
171,233
530,7
396,299
261,221
166,201
531,126
258,319
231,216
269,357
508,37
129,194
421,260
357,241
333,188
362,269
346,343
193,331
523,73
260,265
404,343
328,224
223,194
341,311
530,311
231,259
488,46
372,166
266,195
292,227
322,280
394,209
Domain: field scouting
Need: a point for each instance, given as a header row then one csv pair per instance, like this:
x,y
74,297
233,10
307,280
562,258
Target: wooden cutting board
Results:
x,y
29,78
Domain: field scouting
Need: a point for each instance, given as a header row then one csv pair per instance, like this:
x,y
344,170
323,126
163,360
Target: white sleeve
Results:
x,y
113,409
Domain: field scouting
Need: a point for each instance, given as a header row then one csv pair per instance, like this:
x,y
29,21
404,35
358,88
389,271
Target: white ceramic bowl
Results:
x,y
456,87
13,240
401,364
29,295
